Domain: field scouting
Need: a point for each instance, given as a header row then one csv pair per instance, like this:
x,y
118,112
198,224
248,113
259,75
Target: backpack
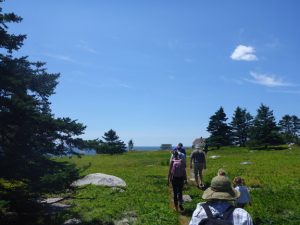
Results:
x,y
178,168
217,220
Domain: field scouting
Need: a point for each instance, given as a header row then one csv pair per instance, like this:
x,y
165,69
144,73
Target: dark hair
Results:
x,y
175,154
238,181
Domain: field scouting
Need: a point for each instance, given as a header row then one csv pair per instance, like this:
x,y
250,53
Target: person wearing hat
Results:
x,y
219,197
198,158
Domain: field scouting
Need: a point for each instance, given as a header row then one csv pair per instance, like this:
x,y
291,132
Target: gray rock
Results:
x,y
129,218
246,163
72,221
51,200
186,198
214,157
116,189
100,179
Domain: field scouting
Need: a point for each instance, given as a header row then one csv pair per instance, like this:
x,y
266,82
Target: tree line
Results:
x,y
246,130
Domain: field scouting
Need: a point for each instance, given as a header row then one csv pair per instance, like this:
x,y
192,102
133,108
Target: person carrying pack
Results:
x,y
177,176
223,219
198,158
219,209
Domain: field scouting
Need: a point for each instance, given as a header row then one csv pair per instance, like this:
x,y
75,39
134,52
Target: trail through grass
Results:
x,y
273,176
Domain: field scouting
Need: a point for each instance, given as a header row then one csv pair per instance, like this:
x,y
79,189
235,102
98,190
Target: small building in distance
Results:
x,y
166,147
199,141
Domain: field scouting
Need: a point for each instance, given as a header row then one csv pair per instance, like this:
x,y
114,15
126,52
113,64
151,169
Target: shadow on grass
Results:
x,y
22,187
270,148
187,212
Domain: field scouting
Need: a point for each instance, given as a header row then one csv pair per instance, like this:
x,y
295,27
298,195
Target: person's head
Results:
x,y
175,154
221,172
220,189
237,181
179,145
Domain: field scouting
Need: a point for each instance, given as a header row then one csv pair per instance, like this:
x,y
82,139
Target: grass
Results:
x,y
273,176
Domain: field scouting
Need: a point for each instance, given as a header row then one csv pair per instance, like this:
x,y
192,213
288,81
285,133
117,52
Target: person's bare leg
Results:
x,y
197,180
201,178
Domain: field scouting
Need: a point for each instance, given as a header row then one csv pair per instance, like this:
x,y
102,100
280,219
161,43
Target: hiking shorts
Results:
x,y
198,167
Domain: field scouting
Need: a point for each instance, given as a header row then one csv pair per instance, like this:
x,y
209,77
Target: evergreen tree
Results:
x,y
240,126
28,129
111,143
219,130
290,127
264,131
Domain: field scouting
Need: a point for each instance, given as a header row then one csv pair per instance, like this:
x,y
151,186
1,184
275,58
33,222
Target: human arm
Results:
x,y
191,161
169,173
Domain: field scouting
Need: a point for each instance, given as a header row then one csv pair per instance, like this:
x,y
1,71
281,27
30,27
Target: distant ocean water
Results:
x,y
136,148
146,148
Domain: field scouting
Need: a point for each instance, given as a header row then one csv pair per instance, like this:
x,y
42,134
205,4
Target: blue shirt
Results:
x,y
182,150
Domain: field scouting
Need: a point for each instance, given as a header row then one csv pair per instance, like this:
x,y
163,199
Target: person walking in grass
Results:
x,y
198,158
218,206
244,198
221,172
180,148
177,177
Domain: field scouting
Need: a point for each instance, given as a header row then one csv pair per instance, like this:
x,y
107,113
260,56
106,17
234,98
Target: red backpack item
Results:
x,y
178,168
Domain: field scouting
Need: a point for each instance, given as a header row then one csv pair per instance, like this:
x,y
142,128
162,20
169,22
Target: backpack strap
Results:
x,y
207,210
226,214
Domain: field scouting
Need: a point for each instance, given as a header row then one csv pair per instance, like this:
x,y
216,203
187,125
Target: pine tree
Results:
x,y
28,129
264,131
290,127
240,126
219,130
111,143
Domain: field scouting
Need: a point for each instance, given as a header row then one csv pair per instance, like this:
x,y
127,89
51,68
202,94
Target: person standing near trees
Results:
x,y
198,158
177,176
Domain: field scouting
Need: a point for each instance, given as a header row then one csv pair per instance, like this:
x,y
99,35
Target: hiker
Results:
x,y
221,172
181,152
244,199
180,156
177,176
198,158
180,148
218,205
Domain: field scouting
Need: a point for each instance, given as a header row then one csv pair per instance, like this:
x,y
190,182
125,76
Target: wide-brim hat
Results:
x,y
221,189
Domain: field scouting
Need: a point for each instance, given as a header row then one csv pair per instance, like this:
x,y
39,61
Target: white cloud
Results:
x,y
61,57
267,80
244,53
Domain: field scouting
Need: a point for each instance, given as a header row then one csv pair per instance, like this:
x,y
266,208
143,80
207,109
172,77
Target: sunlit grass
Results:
x,y
273,176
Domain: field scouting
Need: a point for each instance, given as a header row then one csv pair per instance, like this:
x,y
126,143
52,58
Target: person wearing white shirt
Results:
x,y
219,197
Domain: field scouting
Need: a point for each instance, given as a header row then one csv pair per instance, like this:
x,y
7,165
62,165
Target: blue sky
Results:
x,y
155,71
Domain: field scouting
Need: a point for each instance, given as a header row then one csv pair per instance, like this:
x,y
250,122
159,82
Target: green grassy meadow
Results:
x,y
273,176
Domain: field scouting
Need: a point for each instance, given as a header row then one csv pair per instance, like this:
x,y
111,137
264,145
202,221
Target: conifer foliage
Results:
x,y
28,129
264,130
219,129
111,144
240,126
